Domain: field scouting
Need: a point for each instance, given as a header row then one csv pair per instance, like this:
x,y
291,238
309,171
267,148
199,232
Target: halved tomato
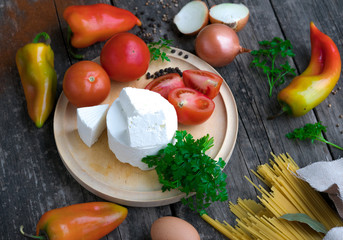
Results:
x,y
192,107
164,84
205,82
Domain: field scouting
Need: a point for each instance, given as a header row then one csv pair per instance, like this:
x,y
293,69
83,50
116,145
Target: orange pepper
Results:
x,y
97,22
310,88
86,221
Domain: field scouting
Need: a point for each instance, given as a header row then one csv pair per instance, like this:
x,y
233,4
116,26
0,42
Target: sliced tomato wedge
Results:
x,y
164,84
192,107
205,82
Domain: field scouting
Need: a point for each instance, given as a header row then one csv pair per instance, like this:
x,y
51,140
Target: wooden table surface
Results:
x,y
33,178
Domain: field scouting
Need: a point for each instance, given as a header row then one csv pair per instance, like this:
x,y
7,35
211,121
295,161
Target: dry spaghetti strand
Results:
x,y
288,194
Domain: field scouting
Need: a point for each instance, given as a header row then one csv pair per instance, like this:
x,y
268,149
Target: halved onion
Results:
x,y
234,15
192,17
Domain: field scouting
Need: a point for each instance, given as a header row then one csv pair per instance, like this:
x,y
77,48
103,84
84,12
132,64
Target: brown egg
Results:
x,y
173,228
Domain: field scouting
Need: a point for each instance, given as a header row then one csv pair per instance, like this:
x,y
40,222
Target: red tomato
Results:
x,y
192,107
125,57
205,82
86,83
164,84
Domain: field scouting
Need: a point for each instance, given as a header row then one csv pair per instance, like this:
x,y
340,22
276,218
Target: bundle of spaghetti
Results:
x,y
288,194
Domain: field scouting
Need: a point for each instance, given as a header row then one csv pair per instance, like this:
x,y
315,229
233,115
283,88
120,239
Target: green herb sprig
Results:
x,y
266,60
185,166
156,49
312,132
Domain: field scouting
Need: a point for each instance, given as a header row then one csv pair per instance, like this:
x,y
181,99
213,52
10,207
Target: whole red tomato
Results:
x,y
125,57
164,84
192,107
205,82
86,84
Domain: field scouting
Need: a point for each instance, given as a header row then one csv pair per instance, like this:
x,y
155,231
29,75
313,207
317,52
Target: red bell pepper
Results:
x,y
97,22
87,221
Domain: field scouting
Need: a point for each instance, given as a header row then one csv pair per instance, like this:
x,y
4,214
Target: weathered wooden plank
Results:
x,y
325,15
258,137
263,25
32,178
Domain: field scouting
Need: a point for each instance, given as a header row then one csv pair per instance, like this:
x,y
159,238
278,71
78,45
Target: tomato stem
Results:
x,y
91,79
180,104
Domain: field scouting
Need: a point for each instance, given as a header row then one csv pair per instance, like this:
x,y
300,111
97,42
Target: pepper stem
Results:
x,y
69,47
44,35
285,108
282,111
29,235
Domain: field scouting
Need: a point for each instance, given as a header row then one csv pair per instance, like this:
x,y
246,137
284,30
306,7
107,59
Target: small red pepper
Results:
x,y
86,221
97,22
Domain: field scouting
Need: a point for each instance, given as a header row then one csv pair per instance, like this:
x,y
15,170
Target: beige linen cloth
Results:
x,y
327,177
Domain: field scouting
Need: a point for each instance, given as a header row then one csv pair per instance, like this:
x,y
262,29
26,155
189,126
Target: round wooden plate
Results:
x,y
98,170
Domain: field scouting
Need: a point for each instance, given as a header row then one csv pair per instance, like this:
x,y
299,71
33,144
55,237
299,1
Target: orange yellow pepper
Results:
x,y
87,221
97,22
310,88
35,63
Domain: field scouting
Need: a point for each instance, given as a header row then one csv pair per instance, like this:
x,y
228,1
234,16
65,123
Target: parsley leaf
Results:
x,y
312,132
156,49
185,166
266,58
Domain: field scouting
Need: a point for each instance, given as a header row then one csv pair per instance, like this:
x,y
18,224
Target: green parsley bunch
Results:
x,y
266,57
156,49
185,166
312,132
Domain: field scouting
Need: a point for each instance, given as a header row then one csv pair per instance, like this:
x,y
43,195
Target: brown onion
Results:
x,y
218,45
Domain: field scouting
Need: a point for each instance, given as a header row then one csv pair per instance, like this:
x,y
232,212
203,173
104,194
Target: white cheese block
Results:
x,y
130,146
91,122
151,120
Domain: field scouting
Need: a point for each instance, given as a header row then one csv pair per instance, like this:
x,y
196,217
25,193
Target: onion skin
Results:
x,y
218,45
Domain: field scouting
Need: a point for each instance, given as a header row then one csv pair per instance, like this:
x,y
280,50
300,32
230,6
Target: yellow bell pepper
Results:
x,y
35,63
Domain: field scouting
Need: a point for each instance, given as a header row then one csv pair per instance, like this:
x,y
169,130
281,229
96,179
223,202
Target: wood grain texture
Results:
x,y
33,178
